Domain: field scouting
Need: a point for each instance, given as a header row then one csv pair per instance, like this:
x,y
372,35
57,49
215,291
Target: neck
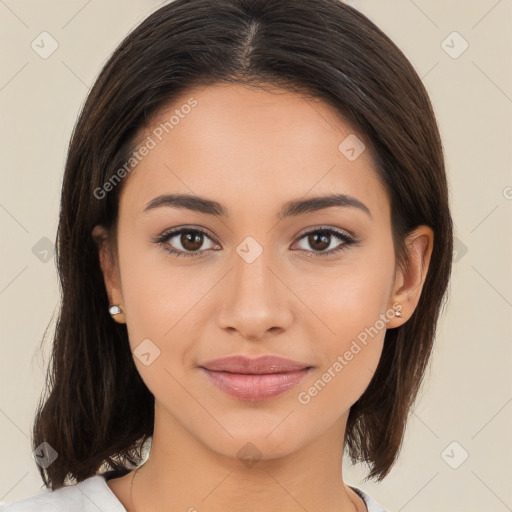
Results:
x,y
182,473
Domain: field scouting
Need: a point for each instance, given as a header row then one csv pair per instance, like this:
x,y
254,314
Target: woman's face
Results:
x,y
264,278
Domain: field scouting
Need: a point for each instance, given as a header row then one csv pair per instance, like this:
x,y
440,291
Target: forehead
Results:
x,y
244,146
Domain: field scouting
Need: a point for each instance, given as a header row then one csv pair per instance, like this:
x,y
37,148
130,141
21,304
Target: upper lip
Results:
x,y
254,366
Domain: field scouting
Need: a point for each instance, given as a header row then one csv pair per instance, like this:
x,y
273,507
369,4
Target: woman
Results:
x,y
254,246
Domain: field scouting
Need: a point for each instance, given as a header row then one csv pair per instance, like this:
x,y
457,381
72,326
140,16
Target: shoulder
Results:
x,y
371,504
90,495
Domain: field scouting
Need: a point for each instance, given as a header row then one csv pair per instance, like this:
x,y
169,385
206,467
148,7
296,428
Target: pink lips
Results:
x,y
255,379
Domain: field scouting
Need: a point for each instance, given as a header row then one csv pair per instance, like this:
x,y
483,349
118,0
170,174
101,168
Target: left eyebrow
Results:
x,y
294,208
290,209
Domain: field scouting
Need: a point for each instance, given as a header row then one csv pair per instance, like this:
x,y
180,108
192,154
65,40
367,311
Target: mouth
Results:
x,y
254,366
255,379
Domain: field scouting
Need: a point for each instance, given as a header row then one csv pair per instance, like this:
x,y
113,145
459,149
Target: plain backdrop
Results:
x,y
458,450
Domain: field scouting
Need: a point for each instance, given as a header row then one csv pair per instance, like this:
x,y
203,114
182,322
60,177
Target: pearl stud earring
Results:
x,y
115,310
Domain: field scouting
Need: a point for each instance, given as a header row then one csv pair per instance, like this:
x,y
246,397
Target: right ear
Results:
x,y
110,269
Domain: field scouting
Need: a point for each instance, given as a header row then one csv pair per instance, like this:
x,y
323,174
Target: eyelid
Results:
x,y
178,229
170,233
339,231
346,238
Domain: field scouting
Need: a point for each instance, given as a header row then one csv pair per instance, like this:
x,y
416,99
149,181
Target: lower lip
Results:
x,y
255,387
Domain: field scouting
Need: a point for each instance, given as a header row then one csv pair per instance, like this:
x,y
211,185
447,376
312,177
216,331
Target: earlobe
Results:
x,y
117,313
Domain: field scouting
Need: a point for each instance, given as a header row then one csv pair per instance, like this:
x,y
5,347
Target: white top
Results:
x,y
94,495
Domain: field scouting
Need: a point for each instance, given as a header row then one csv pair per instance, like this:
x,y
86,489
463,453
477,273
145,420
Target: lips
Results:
x,y
254,379
261,365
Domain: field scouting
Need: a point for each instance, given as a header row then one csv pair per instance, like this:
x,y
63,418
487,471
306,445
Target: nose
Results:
x,y
256,303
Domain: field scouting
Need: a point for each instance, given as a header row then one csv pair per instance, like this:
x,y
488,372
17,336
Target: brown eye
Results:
x,y
186,242
320,240
191,241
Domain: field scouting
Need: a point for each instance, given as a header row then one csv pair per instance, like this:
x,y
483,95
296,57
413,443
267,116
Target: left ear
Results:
x,y
409,282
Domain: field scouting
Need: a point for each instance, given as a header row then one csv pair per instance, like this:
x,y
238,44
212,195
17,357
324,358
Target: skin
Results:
x,y
252,151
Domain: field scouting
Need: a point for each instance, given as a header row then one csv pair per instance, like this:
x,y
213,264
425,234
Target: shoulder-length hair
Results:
x,y
96,411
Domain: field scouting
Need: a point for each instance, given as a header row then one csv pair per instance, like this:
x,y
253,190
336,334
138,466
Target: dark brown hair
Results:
x,y
96,411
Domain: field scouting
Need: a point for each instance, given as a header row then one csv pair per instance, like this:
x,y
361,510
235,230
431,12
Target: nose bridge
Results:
x,y
250,269
254,298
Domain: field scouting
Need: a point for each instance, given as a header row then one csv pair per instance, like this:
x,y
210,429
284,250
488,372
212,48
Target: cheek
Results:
x,y
347,302
349,355
156,296
348,330
164,306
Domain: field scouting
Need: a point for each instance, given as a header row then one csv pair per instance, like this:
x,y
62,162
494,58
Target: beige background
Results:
x,y
467,397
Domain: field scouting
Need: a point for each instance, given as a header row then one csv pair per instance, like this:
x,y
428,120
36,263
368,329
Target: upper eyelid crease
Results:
x,y
290,209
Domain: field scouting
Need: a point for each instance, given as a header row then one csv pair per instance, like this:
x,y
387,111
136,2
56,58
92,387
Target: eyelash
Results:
x,y
346,239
